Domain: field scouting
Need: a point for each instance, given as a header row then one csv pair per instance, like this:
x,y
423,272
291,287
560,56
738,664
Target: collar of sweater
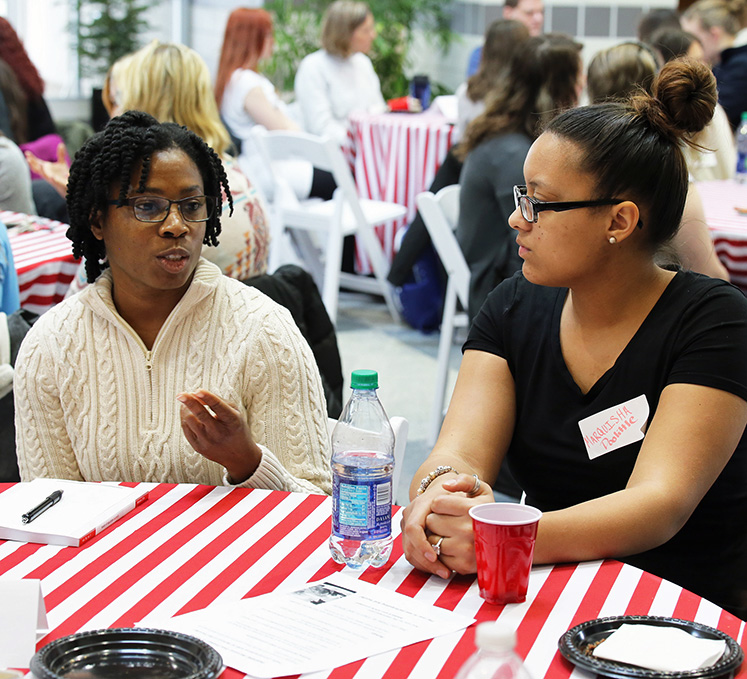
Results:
x,y
98,297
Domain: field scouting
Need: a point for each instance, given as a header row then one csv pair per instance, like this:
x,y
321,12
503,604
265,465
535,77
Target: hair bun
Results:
x,y
683,99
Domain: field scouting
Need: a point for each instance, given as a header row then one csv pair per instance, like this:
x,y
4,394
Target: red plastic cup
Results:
x,y
504,543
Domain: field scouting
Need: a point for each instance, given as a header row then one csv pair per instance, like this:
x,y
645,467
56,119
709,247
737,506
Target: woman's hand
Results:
x,y
217,430
56,173
443,512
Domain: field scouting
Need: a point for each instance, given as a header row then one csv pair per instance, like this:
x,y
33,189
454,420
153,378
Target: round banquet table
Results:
x,y
188,546
395,156
43,258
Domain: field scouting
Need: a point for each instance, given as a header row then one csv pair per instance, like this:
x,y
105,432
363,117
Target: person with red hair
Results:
x,y
39,120
247,98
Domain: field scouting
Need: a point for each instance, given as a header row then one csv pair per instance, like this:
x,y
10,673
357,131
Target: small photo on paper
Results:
x,y
322,593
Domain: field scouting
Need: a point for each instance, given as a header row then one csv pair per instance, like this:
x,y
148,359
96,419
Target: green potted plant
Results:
x,y
105,30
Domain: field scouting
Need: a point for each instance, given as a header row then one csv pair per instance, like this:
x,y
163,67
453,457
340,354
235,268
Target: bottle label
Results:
x,y
363,510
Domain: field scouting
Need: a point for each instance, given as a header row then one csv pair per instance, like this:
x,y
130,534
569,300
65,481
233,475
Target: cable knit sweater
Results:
x,y
93,404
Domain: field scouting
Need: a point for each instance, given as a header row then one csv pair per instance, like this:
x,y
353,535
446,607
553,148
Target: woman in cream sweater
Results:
x,y
164,369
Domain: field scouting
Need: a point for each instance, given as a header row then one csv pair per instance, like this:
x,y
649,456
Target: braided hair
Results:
x,y
109,160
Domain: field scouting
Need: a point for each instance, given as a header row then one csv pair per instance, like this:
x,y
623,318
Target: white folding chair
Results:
x,y
344,215
400,427
440,213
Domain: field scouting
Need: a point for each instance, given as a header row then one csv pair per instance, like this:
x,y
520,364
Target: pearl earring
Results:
x,y
613,240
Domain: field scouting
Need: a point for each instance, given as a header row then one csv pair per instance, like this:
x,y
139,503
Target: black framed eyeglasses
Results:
x,y
531,207
154,209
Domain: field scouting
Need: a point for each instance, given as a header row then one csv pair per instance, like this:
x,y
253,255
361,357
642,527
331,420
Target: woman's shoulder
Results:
x,y
506,142
251,303
362,63
247,78
499,148
504,153
690,290
314,59
62,321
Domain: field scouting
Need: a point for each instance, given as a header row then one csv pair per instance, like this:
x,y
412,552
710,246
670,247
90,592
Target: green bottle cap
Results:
x,y
364,379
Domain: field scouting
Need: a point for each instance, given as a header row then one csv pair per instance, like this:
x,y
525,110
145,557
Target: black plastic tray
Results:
x,y
127,653
574,646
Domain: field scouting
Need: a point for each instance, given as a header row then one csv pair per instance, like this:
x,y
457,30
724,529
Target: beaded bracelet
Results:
x,y
438,471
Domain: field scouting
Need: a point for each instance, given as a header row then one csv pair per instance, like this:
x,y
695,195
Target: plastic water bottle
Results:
x,y
741,175
362,466
495,657
420,89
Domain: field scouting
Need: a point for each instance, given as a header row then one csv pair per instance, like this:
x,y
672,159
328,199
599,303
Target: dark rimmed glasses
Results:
x,y
531,207
154,209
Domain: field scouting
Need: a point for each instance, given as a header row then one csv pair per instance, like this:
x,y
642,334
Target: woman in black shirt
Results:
x,y
616,389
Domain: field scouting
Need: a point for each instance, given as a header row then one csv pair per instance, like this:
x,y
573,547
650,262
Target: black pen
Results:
x,y
51,501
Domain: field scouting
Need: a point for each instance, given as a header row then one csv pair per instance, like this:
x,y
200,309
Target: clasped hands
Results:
x,y
220,432
441,516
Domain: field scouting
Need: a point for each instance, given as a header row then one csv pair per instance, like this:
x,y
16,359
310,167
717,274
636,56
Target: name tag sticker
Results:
x,y
615,427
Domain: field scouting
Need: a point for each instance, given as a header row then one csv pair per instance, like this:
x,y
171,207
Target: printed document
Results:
x,y
325,624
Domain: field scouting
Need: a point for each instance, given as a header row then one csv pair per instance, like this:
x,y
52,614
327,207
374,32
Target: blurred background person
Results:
x,y
716,24
531,13
654,20
15,123
38,118
501,40
545,76
716,156
616,74
15,180
618,71
247,98
339,79
172,83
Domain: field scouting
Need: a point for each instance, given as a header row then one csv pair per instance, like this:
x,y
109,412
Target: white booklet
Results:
x,y
322,625
83,511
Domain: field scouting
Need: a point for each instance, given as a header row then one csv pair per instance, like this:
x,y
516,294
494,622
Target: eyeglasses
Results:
x,y
154,209
531,207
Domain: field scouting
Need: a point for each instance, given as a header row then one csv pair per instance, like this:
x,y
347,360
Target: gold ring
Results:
x,y
437,546
476,488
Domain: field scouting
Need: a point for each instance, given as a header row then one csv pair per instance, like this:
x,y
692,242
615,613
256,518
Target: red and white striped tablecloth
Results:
x,y
189,546
727,226
395,156
43,258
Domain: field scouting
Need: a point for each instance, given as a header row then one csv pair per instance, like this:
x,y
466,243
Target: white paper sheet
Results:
x,y
324,625
23,619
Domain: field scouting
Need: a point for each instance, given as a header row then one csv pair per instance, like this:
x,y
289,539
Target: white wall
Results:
x,y
42,24
595,23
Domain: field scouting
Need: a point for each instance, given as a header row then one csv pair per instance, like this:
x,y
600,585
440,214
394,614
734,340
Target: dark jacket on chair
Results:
x,y
294,288
19,323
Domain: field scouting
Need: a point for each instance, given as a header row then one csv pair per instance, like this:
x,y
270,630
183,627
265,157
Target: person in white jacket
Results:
x,y
339,79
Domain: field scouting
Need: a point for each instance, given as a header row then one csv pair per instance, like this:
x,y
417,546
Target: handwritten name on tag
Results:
x,y
615,427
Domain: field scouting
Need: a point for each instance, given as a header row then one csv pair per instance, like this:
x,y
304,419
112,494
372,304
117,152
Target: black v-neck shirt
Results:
x,y
696,333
